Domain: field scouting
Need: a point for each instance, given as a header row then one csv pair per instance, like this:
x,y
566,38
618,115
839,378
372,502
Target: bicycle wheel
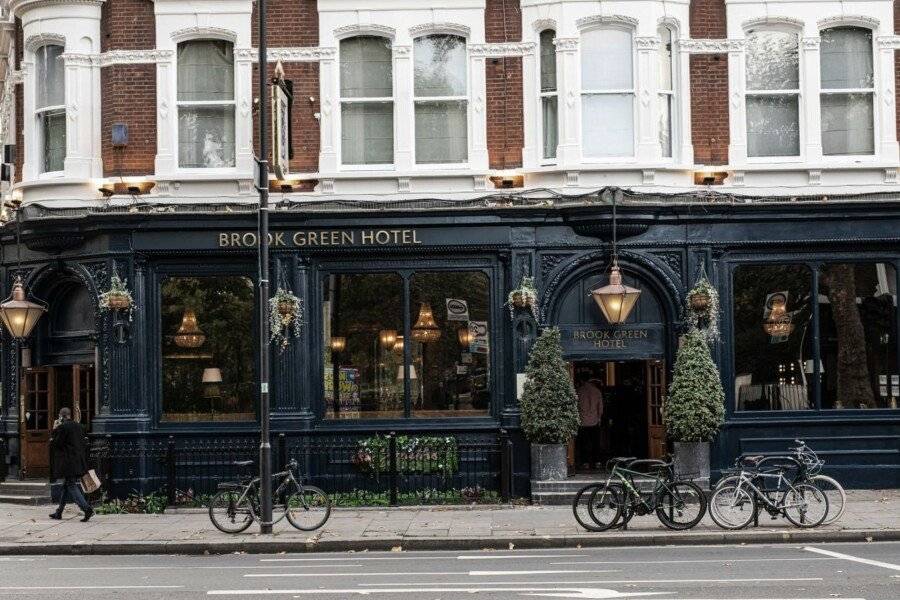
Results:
x,y
605,507
308,508
805,505
837,497
230,511
580,506
732,507
681,506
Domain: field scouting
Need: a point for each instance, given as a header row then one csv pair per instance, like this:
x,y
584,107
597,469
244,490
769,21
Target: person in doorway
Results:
x,y
590,408
68,462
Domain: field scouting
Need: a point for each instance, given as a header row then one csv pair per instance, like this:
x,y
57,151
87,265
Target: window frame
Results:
x,y
467,98
876,134
670,93
54,110
201,103
392,100
798,93
542,95
632,92
814,264
406,270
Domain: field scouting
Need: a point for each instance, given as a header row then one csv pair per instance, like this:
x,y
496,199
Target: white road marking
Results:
x,y
865,561
356,557
431,573
605,581
675,562
578,592
217,568
515,556
90,587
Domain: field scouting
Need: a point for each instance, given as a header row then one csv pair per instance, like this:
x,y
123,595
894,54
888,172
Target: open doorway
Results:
x,y
621,408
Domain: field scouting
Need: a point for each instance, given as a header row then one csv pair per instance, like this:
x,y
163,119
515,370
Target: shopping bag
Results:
x,y
90,482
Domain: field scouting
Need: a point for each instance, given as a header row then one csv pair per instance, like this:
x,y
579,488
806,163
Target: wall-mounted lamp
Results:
x,y
121,188
286,186
710,177
507,180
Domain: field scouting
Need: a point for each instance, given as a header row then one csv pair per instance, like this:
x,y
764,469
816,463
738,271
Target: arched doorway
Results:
x,y
58,369
620,371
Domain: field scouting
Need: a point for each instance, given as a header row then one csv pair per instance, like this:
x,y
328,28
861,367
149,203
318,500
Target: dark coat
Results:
x,y
68,456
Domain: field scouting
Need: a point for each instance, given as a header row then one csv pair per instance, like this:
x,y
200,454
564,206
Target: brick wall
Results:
x,y
129,96
127,25
289,23
505,121
709,86
304,125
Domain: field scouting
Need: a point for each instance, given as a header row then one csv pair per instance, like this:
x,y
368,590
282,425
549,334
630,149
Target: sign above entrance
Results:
x,y
613,343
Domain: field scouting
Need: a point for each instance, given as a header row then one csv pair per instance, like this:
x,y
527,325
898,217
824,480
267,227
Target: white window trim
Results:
x,y
674,107
184,38
349,33
863,24
620,23
545,161
38,113
785,25
442,29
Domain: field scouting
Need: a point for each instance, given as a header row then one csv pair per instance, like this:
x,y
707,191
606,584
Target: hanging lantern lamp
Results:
x,y
19,314
615,299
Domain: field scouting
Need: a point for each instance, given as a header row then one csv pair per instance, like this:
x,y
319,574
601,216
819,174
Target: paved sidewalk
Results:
x,y
870,515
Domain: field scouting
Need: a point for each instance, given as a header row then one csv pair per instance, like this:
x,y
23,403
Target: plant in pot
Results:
x,y
695,408
285,317
703,309
117,297
549,408
523,297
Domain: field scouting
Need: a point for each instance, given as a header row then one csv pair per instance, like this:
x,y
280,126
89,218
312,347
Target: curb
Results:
x,y
256,545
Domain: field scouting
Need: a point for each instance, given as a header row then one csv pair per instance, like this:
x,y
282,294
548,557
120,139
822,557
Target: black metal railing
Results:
x,y
356,468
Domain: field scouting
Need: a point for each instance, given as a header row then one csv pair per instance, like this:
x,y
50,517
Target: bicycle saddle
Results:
x,y
242,463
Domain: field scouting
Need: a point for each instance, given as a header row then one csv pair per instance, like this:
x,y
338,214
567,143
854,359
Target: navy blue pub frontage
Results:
x,y
406,337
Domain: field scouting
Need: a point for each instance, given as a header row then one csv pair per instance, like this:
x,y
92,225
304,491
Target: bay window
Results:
x,y
549,95
607,93
441,99
367,104
206,104
773,93
666,91
848,90
50,107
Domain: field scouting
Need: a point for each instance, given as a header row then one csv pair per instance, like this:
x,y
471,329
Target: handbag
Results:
x,y
90,482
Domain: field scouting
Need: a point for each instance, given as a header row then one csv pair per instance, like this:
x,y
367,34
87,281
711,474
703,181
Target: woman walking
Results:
x,y
68,462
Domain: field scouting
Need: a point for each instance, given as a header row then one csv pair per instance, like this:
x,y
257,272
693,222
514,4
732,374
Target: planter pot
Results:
x,y
285,309
700,302
548,462
521,300
119,302
692,462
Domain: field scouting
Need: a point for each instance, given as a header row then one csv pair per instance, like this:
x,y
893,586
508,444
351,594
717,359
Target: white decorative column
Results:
x,y
478,158
648,148
82,116
330,111
166,114
685,151
31,152
568,81
531,108
885,96
811,100
737,148
404,117
243,116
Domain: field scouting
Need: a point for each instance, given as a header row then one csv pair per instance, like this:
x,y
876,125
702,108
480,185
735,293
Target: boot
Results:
x,y
56,515
87,515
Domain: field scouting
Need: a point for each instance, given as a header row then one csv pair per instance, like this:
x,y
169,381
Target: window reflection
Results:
x,y
857,308
772,318
207,349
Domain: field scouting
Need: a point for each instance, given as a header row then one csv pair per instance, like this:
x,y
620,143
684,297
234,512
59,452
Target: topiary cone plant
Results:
x,y
549,407
695,408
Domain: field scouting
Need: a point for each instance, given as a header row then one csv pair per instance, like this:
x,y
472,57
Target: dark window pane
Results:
x,y
772,329
450,316
858,316
208,348
362,319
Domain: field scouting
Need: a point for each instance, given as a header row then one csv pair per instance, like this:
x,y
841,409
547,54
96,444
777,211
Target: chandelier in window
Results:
x,y
425,330
615,299
189,334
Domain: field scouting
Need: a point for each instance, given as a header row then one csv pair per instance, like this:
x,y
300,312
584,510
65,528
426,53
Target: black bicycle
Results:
x,y
236,505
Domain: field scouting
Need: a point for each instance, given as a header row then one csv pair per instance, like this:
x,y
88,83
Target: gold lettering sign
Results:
x,y
324,238
607,339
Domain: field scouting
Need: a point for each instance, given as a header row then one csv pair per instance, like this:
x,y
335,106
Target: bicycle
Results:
x,y
734,504
837,497
678,504
236,505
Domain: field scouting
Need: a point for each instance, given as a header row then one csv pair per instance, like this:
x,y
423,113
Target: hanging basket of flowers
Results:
x,y
285,317
524,297
117,297
703,308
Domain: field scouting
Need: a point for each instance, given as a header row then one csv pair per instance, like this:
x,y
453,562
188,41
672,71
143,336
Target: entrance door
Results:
x,y
36,421
656,391
83,391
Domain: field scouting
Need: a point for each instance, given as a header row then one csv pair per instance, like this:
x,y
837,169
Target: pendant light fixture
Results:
x,y
18,313
189,335
388,338
615,299
426,330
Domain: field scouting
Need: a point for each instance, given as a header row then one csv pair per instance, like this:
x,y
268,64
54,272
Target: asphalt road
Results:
x,y
823,571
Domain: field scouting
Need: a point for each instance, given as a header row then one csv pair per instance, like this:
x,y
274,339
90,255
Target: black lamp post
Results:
x,y
262,186
615,299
